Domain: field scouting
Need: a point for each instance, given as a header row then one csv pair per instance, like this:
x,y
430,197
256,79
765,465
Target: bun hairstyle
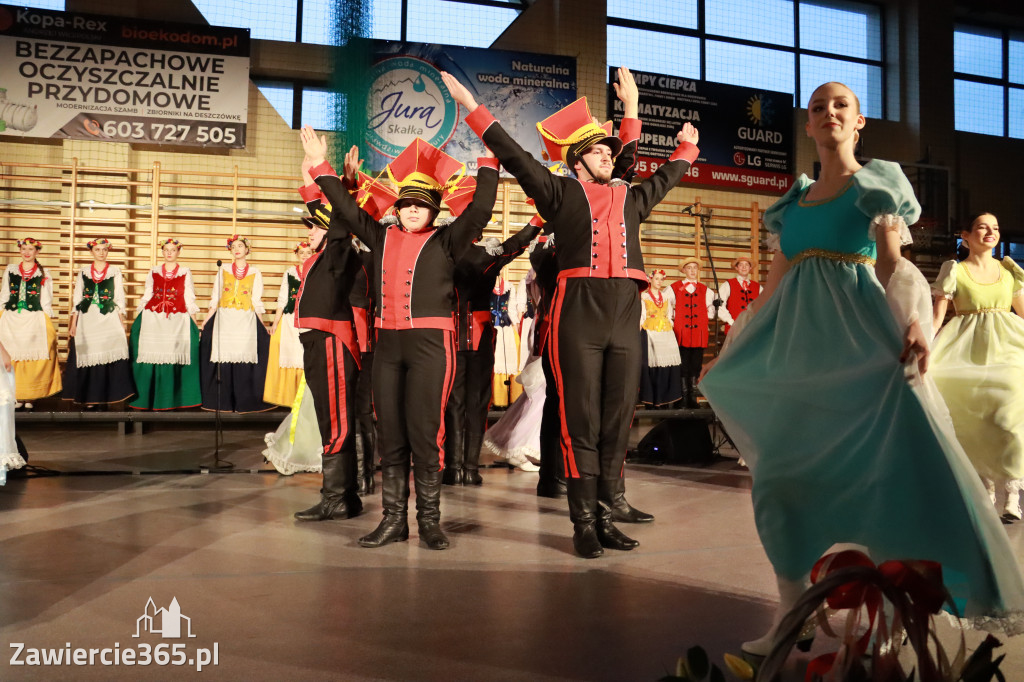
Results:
x,y
969,226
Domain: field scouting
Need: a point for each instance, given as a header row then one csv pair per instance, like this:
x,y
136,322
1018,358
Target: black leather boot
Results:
x,y
394,527
369,434
428,508
582,494
607,534
623,511
338,498
689,393
360,466
471,464
454,455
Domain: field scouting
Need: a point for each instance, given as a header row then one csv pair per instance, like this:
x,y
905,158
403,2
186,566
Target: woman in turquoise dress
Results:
x,y
978,359
845,439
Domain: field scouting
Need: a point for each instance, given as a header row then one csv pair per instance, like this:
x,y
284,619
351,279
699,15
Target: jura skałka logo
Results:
x,y
408,100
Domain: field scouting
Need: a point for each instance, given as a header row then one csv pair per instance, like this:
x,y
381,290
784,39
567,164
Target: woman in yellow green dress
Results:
x,y
234,344
978,359
25,327
661,380
284,366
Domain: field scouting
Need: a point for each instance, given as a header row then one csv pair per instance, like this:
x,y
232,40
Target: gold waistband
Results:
x,y
832,255
983,310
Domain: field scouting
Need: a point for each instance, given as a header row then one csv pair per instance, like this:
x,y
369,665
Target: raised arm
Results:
x,y
534,177
471,223
629,127
343,206
652,190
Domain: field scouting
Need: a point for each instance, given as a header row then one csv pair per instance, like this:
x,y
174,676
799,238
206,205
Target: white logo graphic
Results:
x,y
165,622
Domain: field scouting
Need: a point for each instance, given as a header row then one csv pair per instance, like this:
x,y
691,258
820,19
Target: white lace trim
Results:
x,y
891,222
11,461
281,462
772,242
1008,624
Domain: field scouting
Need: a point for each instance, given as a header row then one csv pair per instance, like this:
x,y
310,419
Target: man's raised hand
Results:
x,y
459,91
688,134
315,147
626,90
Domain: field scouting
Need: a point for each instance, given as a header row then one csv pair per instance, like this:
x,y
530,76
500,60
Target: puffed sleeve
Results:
x,y
670,300
191,305
282,292
46,301
773,216
886,197
643,306
945,284
5,292
119,298
257,292
77,292
148,293
218,284
1017,272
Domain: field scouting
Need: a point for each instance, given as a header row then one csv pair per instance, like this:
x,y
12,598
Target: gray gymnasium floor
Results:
x,y
81,555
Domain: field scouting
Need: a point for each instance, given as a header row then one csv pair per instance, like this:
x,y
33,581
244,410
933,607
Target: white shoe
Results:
x,y
519,461
790,592
1011,510
29,406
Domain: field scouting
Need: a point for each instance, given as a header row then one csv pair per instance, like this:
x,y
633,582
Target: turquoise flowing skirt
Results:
x,y
844,449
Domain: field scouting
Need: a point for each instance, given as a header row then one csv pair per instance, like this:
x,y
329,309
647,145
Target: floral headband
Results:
x,y
302,245
170,241
238,238
658,272
102,241
29,241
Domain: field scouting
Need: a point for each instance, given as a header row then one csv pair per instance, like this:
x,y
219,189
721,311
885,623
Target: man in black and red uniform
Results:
x,y
466,414
596,308
694,310
330,354
415,356
362,299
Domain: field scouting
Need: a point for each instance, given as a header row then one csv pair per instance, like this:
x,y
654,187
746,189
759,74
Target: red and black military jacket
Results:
x,y
475,275
415,269
597,226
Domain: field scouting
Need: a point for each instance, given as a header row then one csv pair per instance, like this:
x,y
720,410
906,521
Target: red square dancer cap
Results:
x,y
422,172
571,131
374,196
458,197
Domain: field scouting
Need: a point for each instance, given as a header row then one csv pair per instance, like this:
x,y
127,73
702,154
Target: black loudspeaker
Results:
x,y
678,441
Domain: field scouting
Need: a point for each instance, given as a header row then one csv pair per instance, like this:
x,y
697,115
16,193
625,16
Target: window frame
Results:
x,y
1005,34
795,50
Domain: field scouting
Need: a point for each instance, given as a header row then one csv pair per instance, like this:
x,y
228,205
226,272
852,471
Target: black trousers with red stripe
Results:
x,y
331,374
469,399
413,372
595,352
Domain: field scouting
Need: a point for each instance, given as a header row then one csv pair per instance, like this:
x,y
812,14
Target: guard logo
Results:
x,y
760,110
408,100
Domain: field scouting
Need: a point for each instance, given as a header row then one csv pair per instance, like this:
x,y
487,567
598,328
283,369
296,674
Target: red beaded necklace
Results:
x,y
103,274
172,274
31,273
234,271
658,297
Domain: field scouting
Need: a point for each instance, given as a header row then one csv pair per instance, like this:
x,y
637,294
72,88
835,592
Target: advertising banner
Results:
x,y
116,79
746,134
407,99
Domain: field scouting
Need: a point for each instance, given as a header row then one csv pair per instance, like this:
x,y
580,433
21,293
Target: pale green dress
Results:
x,y
978,365
841,446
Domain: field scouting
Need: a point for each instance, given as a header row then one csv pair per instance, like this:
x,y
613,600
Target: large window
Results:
x,y
783,45
988,85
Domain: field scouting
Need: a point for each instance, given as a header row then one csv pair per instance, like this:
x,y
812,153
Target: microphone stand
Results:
x,y
219,465
716,424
